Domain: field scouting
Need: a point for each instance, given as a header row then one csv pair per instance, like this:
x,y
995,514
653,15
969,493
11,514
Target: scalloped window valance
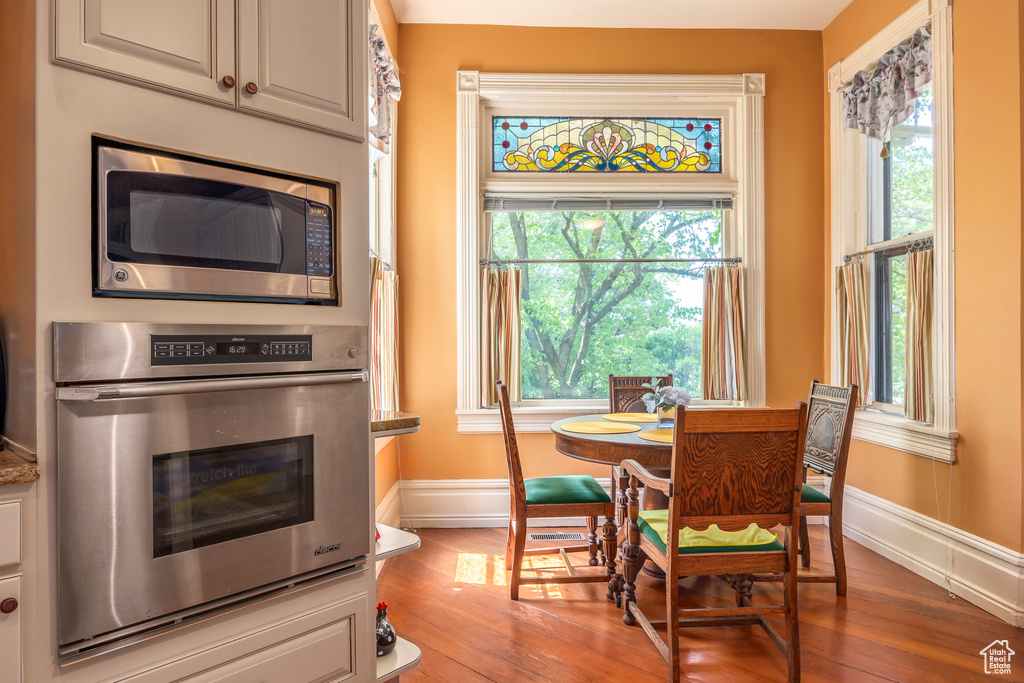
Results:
x,y
877,100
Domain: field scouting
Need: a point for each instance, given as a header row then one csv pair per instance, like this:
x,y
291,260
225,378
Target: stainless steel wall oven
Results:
x,y
172,226
200,465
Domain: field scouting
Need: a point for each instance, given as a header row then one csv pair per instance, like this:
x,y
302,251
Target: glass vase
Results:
x,y
666,417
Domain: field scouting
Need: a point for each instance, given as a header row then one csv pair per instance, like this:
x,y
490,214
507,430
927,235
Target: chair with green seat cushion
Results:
x,y
829,428
734,474
809,494
557,496
654,525
573,488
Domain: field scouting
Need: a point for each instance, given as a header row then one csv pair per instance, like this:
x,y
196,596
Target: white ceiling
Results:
x,y
768,14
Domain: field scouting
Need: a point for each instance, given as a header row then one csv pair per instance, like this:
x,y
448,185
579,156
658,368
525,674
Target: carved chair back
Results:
x,y
625,393
734,467
829,426
517,489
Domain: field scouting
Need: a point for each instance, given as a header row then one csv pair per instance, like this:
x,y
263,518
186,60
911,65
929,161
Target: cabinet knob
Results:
x,y
228,81
9,605
251,88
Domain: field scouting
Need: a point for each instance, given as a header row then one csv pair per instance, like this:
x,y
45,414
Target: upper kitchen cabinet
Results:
x,y
186,46
304,62
300,62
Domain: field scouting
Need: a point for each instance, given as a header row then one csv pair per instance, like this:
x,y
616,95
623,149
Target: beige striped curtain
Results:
x,y
852,318
723,363
502,333
919,400
383,337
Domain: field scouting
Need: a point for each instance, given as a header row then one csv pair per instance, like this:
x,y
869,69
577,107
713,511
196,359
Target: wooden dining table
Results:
x,y
611,448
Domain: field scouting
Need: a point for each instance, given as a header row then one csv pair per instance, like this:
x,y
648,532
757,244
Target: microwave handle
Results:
x,y
203,386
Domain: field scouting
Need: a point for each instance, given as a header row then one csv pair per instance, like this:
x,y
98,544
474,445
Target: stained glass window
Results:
x,y
622,145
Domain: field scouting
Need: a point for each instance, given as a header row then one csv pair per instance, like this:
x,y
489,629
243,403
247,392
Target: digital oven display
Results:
x,y
222,348
235,349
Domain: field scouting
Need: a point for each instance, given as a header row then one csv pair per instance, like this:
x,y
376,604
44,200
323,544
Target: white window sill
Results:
x,y
527,420
896,431
538,419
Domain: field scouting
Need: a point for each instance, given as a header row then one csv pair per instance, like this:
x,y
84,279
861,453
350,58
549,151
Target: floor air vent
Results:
x,y
559,536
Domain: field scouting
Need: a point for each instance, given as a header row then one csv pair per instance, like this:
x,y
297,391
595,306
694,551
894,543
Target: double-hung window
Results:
x,y
888,204
900,218
610,197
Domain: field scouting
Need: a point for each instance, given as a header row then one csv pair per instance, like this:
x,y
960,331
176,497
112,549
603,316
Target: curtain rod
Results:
x,y
910,243
726,261
387,266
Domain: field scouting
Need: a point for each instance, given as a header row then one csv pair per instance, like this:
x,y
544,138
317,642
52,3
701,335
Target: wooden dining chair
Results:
x,y
555,496
829,427
626,395
735,474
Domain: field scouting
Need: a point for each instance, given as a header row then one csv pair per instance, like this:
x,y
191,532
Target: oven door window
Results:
x,y
215,495
179,221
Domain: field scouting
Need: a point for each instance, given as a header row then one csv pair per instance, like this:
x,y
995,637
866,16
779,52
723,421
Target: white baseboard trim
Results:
x,y
478,503
389,512
465,504
983,573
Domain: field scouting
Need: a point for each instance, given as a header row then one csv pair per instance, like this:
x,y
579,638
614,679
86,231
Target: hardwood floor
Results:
x,y
450,597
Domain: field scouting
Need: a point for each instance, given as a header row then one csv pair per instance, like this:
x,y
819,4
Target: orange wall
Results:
x,y
796,287
18,218
387,469
986,486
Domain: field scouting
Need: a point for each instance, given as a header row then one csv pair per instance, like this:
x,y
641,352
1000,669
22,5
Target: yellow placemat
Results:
x,y
659,435
600,428
630,417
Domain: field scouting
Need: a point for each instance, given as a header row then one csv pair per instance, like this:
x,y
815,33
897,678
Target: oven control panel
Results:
x,y
167,349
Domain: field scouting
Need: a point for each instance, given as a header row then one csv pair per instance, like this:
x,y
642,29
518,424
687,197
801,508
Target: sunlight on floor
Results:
x,y
480,569
489,570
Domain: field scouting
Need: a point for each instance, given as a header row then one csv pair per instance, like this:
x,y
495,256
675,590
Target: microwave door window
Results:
x,y
220,230
215,495
168,220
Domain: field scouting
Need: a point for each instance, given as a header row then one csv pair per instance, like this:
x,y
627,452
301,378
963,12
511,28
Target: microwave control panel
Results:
x,y
319,227
168,349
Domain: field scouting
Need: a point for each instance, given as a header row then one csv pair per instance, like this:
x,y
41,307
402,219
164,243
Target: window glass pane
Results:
x,y
898,316
374,189
912,172
584,321
890,328
573,144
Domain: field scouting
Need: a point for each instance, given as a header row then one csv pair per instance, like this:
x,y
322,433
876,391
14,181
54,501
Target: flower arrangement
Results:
x,y
664,397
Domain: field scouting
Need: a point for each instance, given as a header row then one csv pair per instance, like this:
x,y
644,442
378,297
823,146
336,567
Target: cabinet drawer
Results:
x,y
317,647
10,533
321,656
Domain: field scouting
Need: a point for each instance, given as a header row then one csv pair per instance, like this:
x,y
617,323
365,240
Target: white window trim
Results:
x,y
476,90
936,441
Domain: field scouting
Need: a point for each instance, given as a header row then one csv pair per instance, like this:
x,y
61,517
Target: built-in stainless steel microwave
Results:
x,y
171,226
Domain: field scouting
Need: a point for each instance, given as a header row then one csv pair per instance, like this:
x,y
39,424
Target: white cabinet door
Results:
x,y
187,45
10,632
304,62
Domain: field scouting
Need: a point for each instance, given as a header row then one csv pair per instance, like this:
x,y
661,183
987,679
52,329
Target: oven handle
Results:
x,y
203,386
